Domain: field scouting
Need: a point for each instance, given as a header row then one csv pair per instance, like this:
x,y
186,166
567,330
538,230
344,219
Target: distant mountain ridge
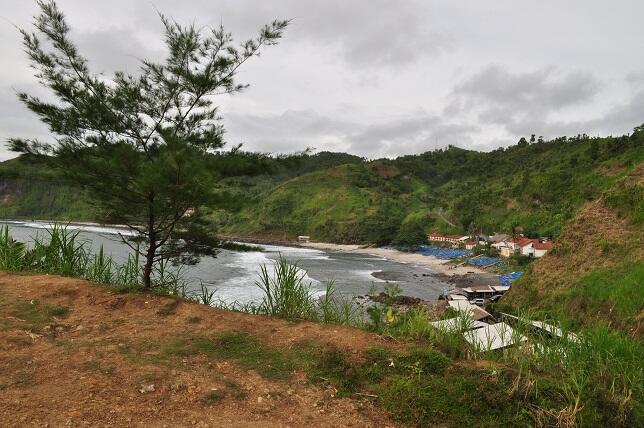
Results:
x,y
534,187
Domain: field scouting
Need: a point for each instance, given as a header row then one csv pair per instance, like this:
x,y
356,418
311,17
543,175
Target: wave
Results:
x,y
106,230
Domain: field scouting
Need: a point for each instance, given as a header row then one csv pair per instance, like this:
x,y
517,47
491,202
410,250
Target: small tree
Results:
x,y
140,144
411,233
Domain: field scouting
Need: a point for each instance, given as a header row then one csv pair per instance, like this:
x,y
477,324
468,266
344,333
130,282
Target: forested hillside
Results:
x,y
534,186
31,190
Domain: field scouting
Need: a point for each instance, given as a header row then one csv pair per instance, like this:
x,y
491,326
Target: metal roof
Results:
x,y
466,307
493,336
457,325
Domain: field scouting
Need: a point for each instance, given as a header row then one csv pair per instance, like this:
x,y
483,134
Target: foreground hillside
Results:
x,y
595,273
73,354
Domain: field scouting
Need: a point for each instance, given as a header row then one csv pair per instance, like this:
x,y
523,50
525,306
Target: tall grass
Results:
x,y
287,295
593,378
62,251
12,252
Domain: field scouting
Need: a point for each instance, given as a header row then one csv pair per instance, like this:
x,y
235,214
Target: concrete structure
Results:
x,y
439,237
541,248
524,246
469,244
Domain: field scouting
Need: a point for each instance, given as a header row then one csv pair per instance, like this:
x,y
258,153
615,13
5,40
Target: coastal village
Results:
x,y
478,327
505,244
481,251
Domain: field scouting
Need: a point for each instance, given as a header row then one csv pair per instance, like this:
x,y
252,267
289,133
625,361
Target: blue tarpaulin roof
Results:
x,y
442,253
484,261
509,278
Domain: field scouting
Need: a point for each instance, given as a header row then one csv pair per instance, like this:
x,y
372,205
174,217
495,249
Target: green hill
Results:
x,y
31,190
595,272
537,187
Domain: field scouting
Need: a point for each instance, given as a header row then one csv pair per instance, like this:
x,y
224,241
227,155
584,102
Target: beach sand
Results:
x,y
437,265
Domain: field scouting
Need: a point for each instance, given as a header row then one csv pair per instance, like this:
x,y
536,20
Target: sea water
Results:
x,y
233,275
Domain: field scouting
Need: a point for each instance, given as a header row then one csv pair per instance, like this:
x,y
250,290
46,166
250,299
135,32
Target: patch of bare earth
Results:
x,y
71,369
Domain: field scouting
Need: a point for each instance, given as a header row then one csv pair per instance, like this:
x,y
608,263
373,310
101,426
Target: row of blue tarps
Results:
x,y
509,278
483,261
443,253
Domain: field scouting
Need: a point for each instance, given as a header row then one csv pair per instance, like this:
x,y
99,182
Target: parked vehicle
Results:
x,y
477,302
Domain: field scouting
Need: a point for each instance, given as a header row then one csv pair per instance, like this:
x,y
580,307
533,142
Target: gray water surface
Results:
x,y
233,274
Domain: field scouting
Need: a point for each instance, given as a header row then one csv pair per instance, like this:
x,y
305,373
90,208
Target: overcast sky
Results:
x,y
379,77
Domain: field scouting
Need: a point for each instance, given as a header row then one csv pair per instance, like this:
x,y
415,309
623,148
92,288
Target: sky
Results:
x,y
377,78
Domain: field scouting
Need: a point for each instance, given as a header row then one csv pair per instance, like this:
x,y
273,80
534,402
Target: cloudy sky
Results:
x,y
379,77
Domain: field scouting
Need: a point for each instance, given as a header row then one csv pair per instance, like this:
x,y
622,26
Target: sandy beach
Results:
x,y
437,265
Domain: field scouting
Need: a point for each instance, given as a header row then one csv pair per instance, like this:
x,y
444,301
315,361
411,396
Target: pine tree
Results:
x,y
140,144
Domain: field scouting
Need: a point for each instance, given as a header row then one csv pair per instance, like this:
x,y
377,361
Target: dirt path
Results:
x,y
74,354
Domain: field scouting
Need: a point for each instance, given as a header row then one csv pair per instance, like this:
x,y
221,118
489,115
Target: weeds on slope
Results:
x,y
288,295
593,378
62,251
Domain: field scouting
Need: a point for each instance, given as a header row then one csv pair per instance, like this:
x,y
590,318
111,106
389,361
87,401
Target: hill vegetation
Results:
x,y
536,187
533,187
595,272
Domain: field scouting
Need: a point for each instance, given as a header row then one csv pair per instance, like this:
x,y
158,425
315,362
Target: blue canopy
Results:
x,y
442,253
509,278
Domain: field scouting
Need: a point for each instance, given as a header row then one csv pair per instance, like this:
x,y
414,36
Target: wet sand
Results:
x,y
437,265
458,276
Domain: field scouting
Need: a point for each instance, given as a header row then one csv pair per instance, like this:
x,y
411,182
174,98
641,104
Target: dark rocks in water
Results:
x,y
390,275
397,300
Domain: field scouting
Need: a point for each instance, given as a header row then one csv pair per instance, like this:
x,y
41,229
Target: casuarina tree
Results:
x,y
139,144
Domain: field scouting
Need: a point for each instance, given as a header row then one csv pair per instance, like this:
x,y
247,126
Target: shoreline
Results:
x,y
459,276
437,265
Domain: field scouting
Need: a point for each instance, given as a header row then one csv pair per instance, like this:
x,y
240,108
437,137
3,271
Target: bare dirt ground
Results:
x,y
69,369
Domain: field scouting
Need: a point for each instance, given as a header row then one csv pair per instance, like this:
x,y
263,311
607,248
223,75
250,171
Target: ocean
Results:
x,y
233,274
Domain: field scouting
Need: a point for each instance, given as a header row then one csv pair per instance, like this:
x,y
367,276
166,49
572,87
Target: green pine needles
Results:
x,y
142,146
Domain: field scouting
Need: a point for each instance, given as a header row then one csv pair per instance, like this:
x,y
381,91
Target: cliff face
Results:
x,y
595,272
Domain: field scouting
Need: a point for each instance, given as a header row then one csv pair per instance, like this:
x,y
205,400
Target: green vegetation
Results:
x,y
342,198
537,187
594,274
596,381
61,252
288,296
139,144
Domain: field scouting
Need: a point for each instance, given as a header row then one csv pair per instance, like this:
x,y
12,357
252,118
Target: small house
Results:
x,y
479,291
541,248
469,244
304,238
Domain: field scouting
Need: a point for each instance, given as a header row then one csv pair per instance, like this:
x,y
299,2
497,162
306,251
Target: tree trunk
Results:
x,y
152,246
147,269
